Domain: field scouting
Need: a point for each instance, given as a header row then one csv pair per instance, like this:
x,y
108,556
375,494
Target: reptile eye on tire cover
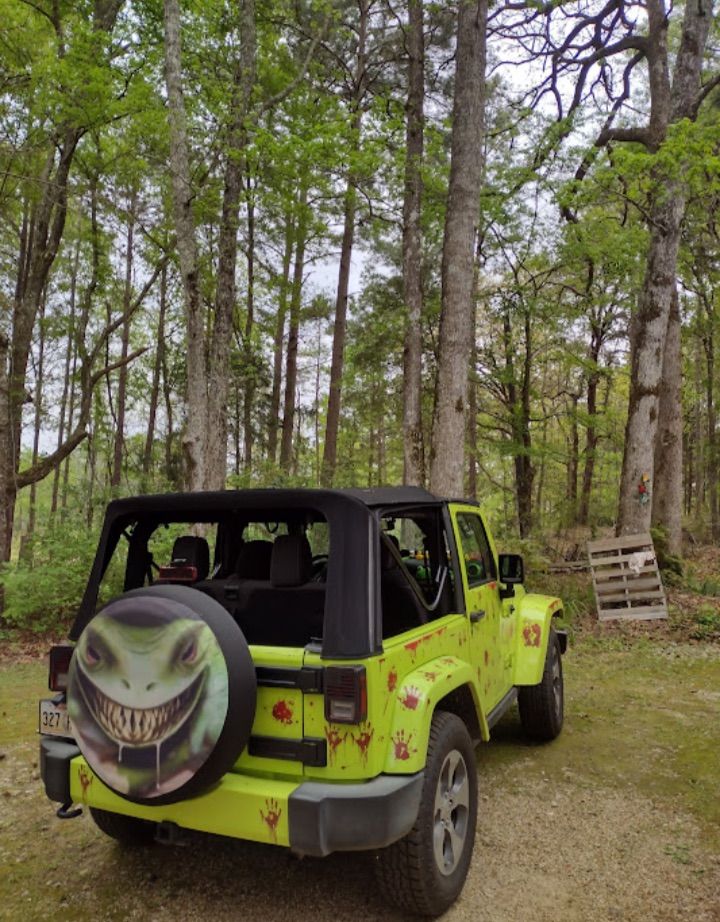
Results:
x,y
161,693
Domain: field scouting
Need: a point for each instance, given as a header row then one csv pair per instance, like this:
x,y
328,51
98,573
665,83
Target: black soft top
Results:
x,y
268,498
353,594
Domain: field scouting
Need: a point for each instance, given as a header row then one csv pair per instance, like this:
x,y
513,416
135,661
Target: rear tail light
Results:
x,y
345,694
59,666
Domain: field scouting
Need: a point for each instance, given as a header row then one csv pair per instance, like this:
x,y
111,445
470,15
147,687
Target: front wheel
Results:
x,y
542,706
425,871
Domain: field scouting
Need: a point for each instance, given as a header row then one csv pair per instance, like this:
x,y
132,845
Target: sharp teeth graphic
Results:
x,y
141,726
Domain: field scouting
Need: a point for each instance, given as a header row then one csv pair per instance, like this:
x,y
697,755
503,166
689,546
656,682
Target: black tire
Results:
x,y
125,829
409,872
157,606
542,706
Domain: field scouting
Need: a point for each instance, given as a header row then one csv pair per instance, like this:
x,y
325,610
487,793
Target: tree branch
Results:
x,y
277,98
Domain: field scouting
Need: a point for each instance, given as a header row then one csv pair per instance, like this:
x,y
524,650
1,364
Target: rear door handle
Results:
x,y
476,616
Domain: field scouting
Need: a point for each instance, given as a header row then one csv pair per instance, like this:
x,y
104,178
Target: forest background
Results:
x,y
529,196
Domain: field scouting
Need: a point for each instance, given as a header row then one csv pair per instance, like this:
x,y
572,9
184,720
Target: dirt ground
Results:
x,y
619,819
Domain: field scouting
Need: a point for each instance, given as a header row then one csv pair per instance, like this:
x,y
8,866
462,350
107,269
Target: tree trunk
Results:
x,y
286,452
66,373
195,440
7,494
448,436
667,501
119,443
249,362
332,422
591,436
472,429
157,369
414,459
573,460
647,346
518,405
243,82
37,426
670,104
274,424
170,472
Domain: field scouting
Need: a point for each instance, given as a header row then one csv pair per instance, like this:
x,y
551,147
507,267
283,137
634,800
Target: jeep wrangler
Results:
x,y
308,668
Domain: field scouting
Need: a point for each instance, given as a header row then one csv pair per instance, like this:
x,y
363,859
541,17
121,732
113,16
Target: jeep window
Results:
x,y
415,572
476,553
161,543
113,579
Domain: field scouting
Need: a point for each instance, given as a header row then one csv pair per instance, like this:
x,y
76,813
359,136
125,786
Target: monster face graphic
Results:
x,y
148,695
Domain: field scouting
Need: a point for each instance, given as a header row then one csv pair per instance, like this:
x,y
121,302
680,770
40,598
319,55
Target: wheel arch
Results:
x,y
446,683
534,619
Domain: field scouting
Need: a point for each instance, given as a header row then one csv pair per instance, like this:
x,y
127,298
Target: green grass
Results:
x,y
640,717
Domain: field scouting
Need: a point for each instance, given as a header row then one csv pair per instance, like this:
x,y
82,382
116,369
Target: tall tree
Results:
x,y
456,323
42,235
182,198
414,463
357,92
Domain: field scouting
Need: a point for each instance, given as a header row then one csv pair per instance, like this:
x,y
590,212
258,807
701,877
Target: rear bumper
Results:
x,y
327,818
311,818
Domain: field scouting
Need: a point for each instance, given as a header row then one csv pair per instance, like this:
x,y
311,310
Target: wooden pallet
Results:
x,y
626,578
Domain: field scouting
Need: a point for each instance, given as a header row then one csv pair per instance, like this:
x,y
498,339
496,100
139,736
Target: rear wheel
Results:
x,y
542,706
125,829
425,871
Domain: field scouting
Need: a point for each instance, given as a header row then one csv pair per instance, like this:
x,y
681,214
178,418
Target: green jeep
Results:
x,y
308,668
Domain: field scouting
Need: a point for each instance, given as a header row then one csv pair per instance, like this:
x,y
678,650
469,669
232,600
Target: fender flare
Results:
x,y
534,619
417,697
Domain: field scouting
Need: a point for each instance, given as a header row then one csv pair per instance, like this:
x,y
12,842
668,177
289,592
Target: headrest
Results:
x,y
192,551
291,561
254,560
388,560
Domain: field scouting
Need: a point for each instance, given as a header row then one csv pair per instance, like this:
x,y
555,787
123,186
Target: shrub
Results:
x,y
43,589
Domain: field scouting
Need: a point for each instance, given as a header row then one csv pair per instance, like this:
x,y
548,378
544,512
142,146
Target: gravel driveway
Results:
x,y
566,832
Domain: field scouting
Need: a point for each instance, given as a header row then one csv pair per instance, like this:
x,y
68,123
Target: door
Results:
x,y
483,604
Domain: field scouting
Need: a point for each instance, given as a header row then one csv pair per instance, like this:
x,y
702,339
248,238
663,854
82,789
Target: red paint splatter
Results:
x,y
430,676
272,817
282,712
412,647
86,779
401,744
392,680
362,741
448,661
531,635
334,739
492,585
440,631
410,697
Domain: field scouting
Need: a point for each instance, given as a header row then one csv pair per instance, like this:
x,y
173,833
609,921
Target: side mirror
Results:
x,y
512,569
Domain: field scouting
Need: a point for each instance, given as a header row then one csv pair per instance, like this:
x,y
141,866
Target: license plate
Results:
x,y
54,719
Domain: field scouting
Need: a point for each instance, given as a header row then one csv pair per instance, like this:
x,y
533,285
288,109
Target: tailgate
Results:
x,y
277,742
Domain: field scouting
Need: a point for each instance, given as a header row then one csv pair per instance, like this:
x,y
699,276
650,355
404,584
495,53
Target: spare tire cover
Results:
x,y
161,693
